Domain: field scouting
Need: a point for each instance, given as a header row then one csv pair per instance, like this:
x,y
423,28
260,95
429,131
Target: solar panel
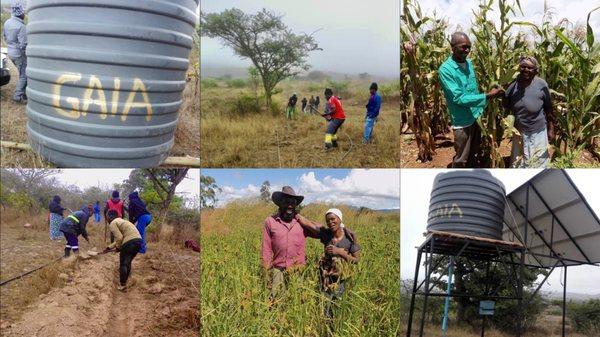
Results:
x,y
562,229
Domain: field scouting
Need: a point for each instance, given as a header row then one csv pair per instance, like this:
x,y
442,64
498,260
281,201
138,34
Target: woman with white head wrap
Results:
x,y
340,250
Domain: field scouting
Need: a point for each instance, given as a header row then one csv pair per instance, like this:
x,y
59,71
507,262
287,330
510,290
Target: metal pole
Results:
x,y
487,292
483,326
429,261
412,298
447,302
521,273
564,304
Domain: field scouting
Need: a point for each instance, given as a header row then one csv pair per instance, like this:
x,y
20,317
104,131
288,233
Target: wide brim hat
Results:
x,y
286,191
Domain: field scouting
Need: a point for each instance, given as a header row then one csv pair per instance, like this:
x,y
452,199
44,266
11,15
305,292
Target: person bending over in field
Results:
x,y
139,215
74,225
528,98
334,113
283,241
465,102
128,242
341,251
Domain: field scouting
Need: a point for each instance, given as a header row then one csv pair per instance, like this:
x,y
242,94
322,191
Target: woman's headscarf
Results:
x,y
338,213
530,59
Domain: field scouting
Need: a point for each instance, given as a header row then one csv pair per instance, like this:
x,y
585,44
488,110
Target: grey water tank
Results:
x,y
105,79
469,202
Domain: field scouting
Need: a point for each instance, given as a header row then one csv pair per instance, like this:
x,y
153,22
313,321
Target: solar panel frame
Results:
x,y
561,225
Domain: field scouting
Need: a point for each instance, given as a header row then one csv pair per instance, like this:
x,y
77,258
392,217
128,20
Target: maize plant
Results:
x,y
495,57
569,60
422,101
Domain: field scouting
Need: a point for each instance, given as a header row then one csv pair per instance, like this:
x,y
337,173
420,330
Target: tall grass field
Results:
x,y
234,293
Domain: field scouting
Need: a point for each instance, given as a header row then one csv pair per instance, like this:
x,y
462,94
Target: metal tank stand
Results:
x,y
440,247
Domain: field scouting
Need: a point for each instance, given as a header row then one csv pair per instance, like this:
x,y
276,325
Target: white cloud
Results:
x,y
377,189
229,193
369,188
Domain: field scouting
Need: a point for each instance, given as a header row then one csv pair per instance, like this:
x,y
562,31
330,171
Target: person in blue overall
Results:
x,y
139,215
97,212
74,225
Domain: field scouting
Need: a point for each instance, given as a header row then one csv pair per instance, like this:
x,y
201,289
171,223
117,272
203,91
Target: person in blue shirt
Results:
x,y
465,102
97,212
373,107
15,35
139,215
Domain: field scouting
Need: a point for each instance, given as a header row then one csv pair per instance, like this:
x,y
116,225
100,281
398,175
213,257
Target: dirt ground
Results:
x,y
75,297
13,122
444,152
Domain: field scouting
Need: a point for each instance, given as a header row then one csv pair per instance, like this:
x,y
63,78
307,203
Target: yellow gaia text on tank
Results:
x,y
448,211
94,94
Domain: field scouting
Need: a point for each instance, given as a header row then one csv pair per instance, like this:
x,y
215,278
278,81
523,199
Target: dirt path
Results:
x,y
444,152
80,308
90,305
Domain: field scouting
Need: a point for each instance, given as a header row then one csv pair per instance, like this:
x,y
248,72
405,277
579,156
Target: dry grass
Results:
x,y
264,140
23,250
548,325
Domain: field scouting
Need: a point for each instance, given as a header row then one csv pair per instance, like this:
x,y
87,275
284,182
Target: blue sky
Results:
x,y
239,178
377,189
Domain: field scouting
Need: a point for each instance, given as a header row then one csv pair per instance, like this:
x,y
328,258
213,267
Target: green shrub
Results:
x,y
236,83
340,88
585,317
245,104
208,83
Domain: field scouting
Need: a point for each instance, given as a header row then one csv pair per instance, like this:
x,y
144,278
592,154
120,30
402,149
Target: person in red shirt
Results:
x,y
334,113
114,203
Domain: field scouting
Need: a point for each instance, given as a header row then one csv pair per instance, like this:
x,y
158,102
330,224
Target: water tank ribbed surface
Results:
x,y
467,202
105,79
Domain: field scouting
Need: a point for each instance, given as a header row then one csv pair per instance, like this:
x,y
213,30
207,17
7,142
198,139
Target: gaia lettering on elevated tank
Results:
x,y
94,94
448,211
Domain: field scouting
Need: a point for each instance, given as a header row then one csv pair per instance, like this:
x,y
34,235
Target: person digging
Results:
x,y
74,225
128,242
334,114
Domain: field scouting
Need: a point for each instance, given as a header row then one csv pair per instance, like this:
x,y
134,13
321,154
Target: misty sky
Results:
x,y
84,178
461,12
356,36
414,203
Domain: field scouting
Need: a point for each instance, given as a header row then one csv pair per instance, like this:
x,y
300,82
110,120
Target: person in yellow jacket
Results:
x,y
128,243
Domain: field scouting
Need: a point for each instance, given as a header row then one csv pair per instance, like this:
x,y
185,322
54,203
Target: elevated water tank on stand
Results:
x,y
469,202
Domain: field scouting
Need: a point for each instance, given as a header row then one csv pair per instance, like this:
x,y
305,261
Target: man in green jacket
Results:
x,y
465,102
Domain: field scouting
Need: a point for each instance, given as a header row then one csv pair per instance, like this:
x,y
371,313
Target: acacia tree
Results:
x,y
208,191
165,182
265,191
275,51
